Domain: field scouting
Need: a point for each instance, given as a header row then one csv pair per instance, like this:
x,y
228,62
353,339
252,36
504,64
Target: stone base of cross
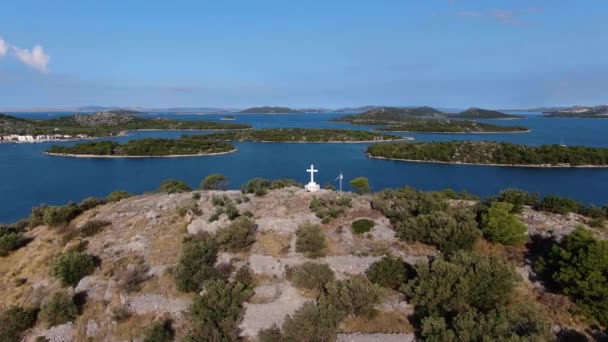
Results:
x,y
312,186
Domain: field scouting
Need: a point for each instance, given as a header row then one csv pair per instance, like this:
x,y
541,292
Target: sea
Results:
x,y
30,178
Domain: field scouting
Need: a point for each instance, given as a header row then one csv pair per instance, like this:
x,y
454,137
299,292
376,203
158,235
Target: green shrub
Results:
x,y
90,203
15,321
272,334
215,181
239,234
196,262
59,309
244,276
355,296
160,331
463,195
36,217
118,195
361,185
10,242
189,206
310,275
257,186
216,315
390,272
310,240
498,224
93,227
173,186
330,207
579,266
362,226
402,204
73,266
560,205
312,323
518,198
56,216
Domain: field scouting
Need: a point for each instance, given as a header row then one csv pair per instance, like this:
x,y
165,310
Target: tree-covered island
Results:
x,y
302,135
449,126
492,153
99,125
184,146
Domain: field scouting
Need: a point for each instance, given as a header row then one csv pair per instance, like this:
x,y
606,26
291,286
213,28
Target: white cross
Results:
x,y
312,173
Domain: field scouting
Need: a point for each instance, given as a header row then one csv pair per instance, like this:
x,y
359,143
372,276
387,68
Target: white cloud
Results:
x,y
3,47
36,58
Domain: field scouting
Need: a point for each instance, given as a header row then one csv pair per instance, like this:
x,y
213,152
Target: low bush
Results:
x,y
310,240
312,323
355,296
11,241
239,234
361,185
36,217
118,195
390,272
56,216
71,267
260,186
131,276
518,198
189,207
216,315
244,276
272,334
560,205
310,275
499,225
173,186
215,181
362,226
59,309
160,331
90,203
15,321
195,266
93,227
330,207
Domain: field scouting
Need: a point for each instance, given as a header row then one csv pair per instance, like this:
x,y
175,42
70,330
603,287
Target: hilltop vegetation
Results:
x,y
103,124
186,145
142,269
270,110
300,135
478,113
492,153
389,115
449,126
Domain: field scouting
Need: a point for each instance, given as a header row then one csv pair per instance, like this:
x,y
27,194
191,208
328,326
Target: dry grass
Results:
x,y
382,322
272,243
92,310
514,254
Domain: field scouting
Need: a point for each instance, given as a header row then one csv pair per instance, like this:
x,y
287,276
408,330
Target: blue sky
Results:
x,y
446,53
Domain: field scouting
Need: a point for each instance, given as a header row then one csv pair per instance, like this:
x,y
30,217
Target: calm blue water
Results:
x,y
30,178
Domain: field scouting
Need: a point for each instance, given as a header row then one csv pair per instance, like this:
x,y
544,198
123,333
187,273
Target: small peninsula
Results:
x,y
302,135
182,147
103,124
597,112
492,153
478,113
270,110
449,126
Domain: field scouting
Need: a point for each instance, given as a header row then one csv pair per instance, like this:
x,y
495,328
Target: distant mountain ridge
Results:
x,y
270,110
600,111
478,113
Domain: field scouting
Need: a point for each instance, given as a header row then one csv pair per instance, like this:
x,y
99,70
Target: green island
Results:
x,y
478,113
302,135
597,112
184,146
492,153
103,124
270,110
449,126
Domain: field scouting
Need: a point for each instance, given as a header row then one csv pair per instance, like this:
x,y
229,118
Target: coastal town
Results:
x,y
29,138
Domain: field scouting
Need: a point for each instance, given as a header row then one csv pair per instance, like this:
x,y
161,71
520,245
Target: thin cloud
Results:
x,y
36,58
503,16
3,47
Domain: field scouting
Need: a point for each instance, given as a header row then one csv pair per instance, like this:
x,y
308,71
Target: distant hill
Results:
x,y
478,113
390,115
579,112
270,110
124,112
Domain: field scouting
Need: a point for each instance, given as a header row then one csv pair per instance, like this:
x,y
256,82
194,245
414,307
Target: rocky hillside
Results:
x,y
265,260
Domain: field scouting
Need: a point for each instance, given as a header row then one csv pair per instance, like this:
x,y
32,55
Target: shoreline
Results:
x,y
68,155
509,132
534,166
321,142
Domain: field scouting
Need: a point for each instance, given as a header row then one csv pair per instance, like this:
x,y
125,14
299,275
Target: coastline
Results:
x,y
67,155
535,166
509,132
322,142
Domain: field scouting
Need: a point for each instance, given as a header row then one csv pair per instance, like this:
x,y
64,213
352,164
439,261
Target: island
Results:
x,y
102,124
492,153
228,118
389,115
478,113
303,135
186,146
449,126
270,110
597,112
